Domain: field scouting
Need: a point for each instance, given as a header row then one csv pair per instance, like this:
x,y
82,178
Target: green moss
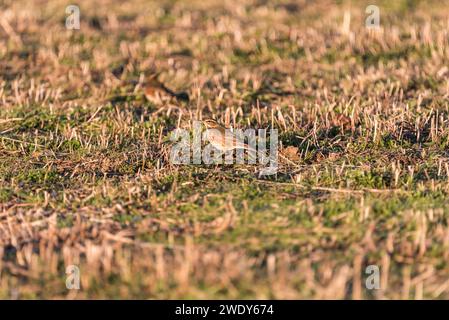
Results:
x,y
6,195
70,145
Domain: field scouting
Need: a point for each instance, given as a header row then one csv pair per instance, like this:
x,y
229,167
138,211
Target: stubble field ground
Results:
x,y
85,176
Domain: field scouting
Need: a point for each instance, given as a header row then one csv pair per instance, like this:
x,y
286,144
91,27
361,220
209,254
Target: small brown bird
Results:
x,y
155,91
218,137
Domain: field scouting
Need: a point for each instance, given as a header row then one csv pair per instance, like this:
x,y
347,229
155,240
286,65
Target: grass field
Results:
x,y
85,176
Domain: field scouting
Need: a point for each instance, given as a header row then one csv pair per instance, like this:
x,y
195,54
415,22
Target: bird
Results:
x,y
216,135
155,91
221,137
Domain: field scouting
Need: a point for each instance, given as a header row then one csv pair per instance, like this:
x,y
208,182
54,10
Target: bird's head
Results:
x,y
211,124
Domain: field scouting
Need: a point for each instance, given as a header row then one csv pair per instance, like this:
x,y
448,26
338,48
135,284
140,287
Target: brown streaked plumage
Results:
x,y
216,135
155,91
